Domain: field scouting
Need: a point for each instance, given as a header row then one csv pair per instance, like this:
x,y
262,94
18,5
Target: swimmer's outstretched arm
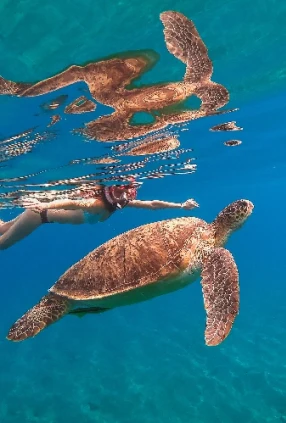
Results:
x,y
158,204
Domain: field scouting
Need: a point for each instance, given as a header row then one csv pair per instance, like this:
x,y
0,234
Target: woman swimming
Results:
x,y
94,205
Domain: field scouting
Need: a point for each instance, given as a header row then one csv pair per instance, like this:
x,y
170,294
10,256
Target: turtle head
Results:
x,y
231,218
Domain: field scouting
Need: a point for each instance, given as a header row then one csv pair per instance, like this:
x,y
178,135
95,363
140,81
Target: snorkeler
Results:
x,y
94,205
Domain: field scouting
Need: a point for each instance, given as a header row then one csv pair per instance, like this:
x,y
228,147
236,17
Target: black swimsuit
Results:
x,y
44,216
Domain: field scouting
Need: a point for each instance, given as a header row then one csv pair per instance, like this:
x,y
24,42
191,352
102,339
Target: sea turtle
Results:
x,y
145,262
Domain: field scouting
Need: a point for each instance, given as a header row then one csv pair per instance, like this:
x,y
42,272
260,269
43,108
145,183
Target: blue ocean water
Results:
x,y
148,362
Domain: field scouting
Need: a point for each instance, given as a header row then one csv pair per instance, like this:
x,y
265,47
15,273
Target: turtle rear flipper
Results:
x,y
221,294
50,309
12,88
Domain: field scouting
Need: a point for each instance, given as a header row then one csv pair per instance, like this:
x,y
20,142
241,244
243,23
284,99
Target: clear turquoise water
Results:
x,y
148,362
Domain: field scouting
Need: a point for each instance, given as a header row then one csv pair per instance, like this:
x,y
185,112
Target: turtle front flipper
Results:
x,y
221,294
50,309
184,42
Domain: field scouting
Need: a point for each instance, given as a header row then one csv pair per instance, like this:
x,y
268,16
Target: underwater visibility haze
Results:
x,y
187,99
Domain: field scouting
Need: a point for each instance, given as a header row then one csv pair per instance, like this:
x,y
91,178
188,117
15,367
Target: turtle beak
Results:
x,y
247,205
242,210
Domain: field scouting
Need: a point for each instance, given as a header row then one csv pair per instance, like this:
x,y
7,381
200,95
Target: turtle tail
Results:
x,y
50,309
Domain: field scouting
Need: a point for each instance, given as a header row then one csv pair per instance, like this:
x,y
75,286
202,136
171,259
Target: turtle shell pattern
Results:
x,y
133,259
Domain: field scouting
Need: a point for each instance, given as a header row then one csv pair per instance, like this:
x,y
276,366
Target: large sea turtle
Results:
x,y
145,262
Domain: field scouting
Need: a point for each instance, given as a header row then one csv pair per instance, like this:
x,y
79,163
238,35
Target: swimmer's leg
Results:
x,y
25,224
28,221
4,226
70,76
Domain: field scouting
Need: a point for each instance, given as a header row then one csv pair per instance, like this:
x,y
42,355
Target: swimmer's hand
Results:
x,y
190,204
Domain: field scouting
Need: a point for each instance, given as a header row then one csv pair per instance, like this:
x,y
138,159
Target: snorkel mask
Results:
x,y
122,194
